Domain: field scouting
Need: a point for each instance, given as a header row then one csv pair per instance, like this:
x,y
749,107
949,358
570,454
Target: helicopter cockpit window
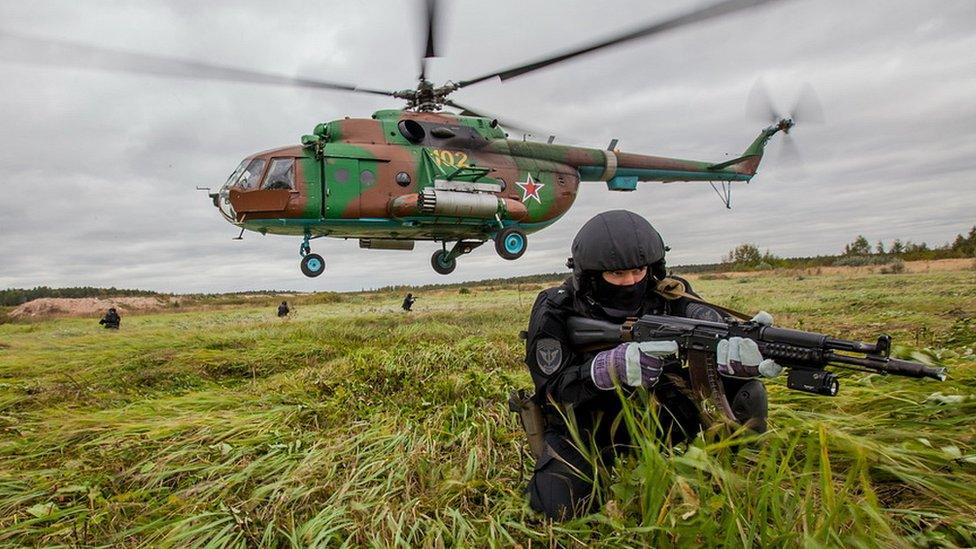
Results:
x,y
281,175
235,174
252,174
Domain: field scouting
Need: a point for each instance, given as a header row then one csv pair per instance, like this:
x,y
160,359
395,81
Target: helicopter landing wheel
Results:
x,y
511,243
313,265
443,263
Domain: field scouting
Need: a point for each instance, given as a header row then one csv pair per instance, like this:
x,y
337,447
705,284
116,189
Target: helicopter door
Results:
x,y
311,171
342,182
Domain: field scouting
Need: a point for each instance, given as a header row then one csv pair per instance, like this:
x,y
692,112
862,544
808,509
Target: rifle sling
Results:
x,y
672,289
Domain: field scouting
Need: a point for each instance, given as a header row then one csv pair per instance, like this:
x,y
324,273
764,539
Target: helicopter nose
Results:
x,y
221,200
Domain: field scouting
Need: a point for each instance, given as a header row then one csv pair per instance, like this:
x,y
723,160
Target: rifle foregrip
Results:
x,y
792,355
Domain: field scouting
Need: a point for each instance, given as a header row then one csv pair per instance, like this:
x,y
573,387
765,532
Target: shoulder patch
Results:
x,y
548,355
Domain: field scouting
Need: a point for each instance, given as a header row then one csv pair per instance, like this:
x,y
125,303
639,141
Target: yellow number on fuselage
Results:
x,y
448,158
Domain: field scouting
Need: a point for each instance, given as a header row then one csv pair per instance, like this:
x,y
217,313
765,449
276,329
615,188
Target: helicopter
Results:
x,y
420,173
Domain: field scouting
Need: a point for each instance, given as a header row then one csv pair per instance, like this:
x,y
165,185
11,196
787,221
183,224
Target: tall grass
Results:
x,y
356,424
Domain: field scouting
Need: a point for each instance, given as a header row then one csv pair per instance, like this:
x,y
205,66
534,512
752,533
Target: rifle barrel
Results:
x,y
890,366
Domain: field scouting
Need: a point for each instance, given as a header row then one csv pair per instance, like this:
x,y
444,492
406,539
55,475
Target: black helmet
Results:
x,y
616,240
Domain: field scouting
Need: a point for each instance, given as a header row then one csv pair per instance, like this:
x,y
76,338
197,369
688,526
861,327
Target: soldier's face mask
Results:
x,y
619,301
624,277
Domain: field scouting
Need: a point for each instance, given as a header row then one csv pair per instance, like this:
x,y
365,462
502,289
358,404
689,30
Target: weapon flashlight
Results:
x,y
813,381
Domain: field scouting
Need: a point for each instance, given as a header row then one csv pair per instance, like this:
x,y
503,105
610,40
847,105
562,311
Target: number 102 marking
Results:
x,y
448,158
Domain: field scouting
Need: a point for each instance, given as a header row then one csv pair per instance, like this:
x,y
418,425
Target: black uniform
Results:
x,y
562,375
408,302
111,320
283,309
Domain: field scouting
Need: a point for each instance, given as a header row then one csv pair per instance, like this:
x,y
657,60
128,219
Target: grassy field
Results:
x,y
355,423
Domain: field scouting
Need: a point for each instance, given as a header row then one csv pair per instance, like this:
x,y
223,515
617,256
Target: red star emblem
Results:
x,y
530,189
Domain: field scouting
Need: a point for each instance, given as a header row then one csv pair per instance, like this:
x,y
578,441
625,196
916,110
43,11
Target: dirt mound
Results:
x,y
85,306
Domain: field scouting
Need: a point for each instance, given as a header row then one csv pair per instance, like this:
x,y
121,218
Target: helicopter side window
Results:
x,y
281,175
250,176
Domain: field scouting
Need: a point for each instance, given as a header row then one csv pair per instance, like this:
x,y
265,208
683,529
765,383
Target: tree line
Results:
x,y
743,257
16,296
858,252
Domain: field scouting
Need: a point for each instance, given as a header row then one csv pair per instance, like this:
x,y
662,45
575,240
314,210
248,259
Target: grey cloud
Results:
x,y
99,168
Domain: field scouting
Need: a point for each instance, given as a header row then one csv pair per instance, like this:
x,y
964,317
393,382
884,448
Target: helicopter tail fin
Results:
x,y
748,163
745,164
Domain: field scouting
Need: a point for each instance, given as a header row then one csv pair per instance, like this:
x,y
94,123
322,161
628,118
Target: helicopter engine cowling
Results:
x,y
438,202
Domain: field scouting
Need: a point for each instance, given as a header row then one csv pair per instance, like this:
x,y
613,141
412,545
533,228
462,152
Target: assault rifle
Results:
x,y
806,354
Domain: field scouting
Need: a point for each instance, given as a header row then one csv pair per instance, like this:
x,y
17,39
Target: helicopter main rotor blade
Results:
x,y
43,51
725,7
431,23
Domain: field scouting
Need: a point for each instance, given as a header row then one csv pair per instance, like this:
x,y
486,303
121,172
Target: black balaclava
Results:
x,y
613,241
619,301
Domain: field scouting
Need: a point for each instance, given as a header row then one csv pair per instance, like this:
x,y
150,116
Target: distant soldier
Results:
x,y
408,302
283,309
111,320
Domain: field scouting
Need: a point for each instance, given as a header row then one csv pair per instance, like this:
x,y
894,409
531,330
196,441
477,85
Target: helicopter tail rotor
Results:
x,y
759,105
806,109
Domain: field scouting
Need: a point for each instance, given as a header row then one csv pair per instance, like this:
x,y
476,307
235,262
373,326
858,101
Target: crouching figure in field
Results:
x,y
618,263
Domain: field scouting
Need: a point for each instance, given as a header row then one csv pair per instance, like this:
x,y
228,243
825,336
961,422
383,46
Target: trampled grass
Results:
x,y
355,423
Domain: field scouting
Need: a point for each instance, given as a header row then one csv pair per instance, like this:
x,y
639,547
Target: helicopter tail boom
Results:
x,y
622,171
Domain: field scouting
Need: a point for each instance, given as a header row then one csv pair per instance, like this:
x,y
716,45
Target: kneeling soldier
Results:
x,y
618,259
111,320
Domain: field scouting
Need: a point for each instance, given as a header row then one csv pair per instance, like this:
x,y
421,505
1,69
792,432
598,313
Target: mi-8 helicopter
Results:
x,y
421,173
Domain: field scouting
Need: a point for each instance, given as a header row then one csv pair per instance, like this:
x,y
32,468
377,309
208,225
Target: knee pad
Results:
x,y
751,405
557,488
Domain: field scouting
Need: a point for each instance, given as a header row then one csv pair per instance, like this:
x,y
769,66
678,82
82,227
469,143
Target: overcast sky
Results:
x,y
99,168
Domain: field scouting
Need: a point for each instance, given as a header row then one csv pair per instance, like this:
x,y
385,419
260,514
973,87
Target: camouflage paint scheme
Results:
x,y
345,178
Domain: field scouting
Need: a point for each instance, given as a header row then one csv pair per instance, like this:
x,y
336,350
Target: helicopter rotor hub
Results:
x,y
425,97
